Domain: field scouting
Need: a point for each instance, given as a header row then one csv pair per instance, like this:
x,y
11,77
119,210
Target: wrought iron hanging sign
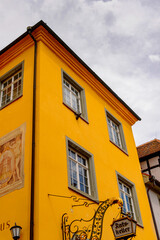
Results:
x,y
124,228
76,229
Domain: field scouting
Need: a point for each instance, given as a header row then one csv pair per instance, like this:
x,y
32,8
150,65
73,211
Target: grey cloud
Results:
x,y
154,4
91,1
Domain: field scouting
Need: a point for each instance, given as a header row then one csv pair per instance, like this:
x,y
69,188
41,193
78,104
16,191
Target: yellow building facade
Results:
x,y
66,144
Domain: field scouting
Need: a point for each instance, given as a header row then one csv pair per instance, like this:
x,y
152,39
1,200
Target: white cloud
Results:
x,y
154,58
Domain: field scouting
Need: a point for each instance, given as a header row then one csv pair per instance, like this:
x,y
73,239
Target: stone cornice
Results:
x,y
15,51
61,52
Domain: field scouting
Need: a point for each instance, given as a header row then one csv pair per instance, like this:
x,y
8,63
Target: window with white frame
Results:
x,y
127,192
126,195
81,170
78,165
74,96
11,86
115,130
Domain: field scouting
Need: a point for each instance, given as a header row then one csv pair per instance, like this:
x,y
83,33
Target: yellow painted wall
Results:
x,y
15,206
54,121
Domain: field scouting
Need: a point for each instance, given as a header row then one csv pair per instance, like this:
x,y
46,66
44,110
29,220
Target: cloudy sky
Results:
x,y
118,39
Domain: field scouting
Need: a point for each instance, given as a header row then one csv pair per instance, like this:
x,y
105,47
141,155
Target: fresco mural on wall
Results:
x,y
12,160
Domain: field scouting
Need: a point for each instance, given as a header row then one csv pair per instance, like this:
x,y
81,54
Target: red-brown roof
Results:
x,y
148,148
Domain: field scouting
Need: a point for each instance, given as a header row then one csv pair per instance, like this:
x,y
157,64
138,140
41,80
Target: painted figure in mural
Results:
x,y
10,161
16,146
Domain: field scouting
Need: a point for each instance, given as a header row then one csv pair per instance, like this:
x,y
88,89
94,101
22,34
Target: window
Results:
x,y
78,166
81,171
116,132
74,96
11,85
127,192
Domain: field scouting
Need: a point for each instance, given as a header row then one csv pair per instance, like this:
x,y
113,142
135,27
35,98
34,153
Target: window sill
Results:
x,y
83,118
140,225
119,147
89,197
10,102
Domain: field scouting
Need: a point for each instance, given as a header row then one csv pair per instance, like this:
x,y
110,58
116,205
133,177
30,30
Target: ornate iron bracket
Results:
x,y
75,199
73,230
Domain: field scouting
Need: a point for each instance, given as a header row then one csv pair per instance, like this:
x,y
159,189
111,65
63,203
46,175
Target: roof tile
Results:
x,y
148,148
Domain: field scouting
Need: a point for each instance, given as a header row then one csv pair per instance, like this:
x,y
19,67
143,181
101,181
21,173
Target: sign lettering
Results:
x,y
5,225
124,228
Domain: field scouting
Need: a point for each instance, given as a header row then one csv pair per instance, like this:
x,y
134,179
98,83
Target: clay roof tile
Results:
x,y
148,148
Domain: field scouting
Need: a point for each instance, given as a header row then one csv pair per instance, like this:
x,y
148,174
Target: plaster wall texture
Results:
x,y
155,199
156,171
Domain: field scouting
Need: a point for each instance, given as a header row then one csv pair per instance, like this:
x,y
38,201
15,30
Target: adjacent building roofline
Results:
x,y
41,23
157,140
151,148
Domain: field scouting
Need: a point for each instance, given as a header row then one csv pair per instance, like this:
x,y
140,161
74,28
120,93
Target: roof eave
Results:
x,y
41,23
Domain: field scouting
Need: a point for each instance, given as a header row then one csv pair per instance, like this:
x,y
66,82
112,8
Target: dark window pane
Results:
x,y
82,187
86,189
80,178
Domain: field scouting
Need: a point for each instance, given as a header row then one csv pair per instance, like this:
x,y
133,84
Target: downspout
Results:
x,y
29,30
153,216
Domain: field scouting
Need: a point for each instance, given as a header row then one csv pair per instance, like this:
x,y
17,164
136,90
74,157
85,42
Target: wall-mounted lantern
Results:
x,y
15,231
124,228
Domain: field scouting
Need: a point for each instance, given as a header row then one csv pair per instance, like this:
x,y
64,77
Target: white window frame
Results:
x,y
115,128
78,164
75,90
4,80
73,93
93,193
127,195
131,185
